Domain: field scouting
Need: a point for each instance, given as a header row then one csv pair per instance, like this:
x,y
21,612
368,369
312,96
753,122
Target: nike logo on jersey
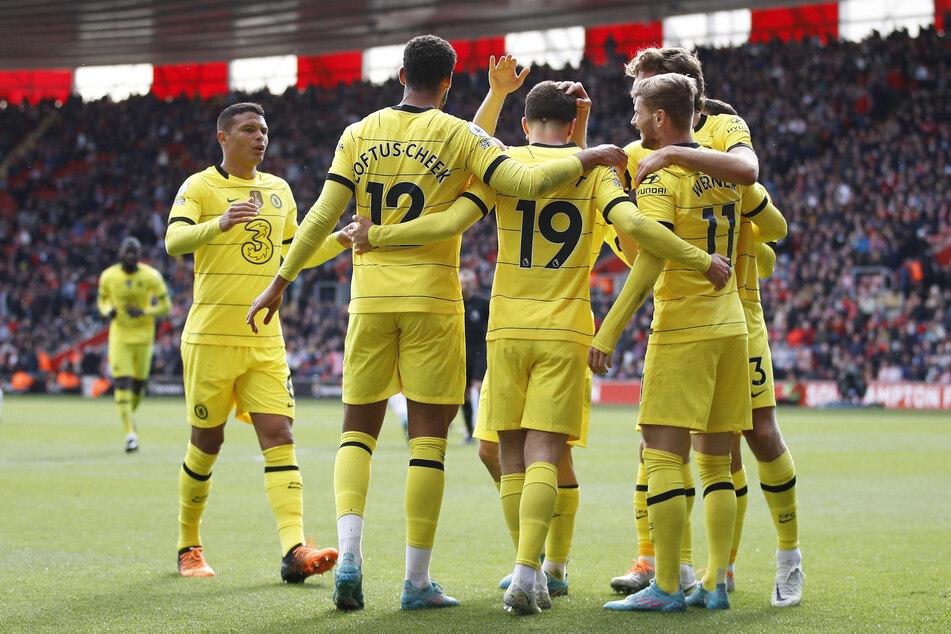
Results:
x,y
754,395
232,200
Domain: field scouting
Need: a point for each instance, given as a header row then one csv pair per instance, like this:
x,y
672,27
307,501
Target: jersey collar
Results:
x,y
414,109
700,123
687,144
563,145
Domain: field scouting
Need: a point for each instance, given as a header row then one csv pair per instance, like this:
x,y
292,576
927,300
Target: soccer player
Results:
x,y
540,319
406,323
131,295
477,322
721,129
237,221
694,375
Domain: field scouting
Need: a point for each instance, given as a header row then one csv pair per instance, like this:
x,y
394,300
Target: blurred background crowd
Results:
x,y
853,141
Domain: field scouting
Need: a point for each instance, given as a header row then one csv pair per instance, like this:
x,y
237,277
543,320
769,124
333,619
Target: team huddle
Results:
x,y
681,207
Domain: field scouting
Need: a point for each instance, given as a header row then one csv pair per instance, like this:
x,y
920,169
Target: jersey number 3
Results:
x,y
258,249
567,238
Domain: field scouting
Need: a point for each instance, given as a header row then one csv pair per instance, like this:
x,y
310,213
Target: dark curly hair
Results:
x,y
427,61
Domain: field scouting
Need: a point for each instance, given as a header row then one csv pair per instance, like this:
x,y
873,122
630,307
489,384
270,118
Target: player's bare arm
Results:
x,y
503,80
579,134
740,165
271,299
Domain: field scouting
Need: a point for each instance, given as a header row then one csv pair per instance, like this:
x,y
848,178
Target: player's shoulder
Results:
x,y
205,179
664,182
149,270
727,123
110,271
271,181
636,149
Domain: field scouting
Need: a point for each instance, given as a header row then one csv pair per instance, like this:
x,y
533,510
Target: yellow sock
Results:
x,y
285,494
686,547
124,403
424,489
535,511
562,529
778,481
352,472
742,501
136,399
719,510
510,494
667,508
645,548
194,483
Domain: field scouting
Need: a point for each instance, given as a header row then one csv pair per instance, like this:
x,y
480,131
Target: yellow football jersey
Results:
x,y
546,249
745,265
705,212
722,133
402,163
118,290
236,266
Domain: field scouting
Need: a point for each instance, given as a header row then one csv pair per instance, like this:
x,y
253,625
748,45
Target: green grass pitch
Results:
x,y
88,533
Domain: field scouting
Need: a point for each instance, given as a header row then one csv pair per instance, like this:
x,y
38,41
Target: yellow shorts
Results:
x,y
536,385
422,354
130,359
762,388
482,433
246,379
701,385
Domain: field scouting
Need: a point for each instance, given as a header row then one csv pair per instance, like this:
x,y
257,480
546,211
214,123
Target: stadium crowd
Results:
x,y
853,140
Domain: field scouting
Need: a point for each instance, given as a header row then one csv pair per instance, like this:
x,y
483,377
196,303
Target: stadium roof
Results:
x,y
73,33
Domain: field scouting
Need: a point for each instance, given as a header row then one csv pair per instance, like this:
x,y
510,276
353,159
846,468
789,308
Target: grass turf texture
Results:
x,y
88,532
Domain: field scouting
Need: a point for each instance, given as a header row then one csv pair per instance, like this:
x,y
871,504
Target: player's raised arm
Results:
x,y
503,80
579,134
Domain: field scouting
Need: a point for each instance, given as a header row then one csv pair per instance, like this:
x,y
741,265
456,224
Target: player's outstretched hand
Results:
x,y
610,155
238,212
576,89
719,272
598,361
359,232
502,76
271,299
651,163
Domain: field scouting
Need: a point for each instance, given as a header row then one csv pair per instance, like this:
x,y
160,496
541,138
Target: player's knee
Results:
x,y
489,455
765,439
